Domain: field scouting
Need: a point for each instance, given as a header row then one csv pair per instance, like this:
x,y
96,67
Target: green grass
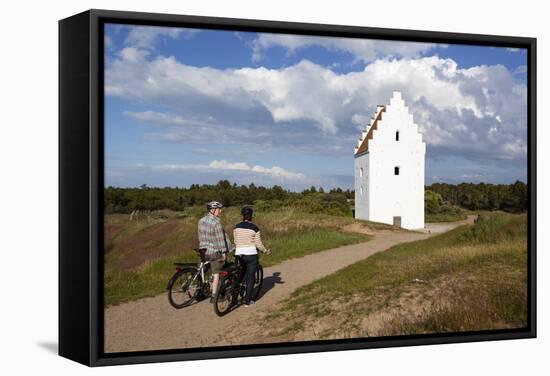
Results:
x,y
445,217
298,243
149,280
483,269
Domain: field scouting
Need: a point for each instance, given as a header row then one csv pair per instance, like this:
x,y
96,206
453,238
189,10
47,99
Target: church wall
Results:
x,y
362,195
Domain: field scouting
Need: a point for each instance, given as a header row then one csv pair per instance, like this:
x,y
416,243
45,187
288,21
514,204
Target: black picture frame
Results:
x,y
81,185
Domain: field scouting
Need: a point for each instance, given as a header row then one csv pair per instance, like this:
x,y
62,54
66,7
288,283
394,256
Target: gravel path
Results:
x,y
152,323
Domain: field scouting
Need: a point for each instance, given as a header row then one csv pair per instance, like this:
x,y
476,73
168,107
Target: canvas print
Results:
x,y
264,188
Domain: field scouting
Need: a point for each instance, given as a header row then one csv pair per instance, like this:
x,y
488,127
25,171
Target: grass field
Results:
x,y
471,278
139,254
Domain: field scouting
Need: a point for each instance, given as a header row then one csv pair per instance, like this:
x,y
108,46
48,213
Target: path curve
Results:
x,y
152,324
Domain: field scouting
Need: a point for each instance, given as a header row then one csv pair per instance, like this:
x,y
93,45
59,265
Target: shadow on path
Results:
x,y
269,283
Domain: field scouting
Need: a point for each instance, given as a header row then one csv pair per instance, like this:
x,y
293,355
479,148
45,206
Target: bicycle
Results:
x,y
188,284
232,287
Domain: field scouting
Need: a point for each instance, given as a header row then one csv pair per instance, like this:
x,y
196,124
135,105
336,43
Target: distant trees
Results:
x,y
483,196
126,200
314,200
512,198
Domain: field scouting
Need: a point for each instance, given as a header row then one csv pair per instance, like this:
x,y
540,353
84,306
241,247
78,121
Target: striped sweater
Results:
x,y
247,239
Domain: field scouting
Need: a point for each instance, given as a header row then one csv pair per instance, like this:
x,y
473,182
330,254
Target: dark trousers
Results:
x,y
250,263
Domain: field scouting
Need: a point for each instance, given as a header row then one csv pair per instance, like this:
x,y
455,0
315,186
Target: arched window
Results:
x,y
396,170
396,135
361,172
361,190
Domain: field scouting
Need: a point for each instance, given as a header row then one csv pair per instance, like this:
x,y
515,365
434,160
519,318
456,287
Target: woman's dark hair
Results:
x,y
247,211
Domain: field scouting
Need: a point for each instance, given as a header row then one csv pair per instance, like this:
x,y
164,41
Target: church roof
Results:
x,y
364,142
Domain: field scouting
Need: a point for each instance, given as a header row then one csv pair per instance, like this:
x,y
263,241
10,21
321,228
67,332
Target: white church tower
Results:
x,y
389,168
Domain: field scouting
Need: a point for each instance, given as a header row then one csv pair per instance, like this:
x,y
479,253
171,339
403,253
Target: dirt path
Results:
x,y
152,324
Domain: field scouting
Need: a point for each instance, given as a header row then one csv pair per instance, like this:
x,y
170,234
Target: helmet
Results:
x,y
246,210
214,205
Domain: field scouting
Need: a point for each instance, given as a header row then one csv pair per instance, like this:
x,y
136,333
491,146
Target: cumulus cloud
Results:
x,y
275,172
477,113
364,50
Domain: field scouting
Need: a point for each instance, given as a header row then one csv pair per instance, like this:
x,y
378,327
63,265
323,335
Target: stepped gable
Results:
x,y
363,143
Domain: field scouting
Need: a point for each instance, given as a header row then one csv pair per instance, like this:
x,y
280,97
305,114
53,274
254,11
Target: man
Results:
x,y
212,237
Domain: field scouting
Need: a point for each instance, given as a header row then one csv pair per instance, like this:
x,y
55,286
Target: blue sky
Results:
x,y
187,106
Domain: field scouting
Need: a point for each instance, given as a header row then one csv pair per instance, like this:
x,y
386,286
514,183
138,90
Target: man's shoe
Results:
x,y
212,300
250,303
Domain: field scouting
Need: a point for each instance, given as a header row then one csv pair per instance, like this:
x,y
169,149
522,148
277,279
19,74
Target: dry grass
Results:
x,y
472,278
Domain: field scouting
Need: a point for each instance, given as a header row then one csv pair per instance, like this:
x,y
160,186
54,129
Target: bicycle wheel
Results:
x,y
224,298
258,281
184,287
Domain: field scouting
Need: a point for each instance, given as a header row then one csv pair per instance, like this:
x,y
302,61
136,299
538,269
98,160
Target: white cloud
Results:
x,y
477,112
275,172
520,70
146,36
168,118
361,49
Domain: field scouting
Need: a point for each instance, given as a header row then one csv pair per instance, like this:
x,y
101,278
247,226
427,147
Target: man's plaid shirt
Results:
x,y
211,235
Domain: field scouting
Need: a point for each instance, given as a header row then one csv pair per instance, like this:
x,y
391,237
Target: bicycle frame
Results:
x,y
201,268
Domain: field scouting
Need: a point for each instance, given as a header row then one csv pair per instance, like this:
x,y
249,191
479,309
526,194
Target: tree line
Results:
x,y
126,200
482,196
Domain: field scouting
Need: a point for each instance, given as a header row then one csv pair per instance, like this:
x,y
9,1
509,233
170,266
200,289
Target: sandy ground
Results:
x,y
153,324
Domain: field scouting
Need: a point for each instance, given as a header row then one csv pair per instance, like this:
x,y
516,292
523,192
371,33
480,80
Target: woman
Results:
x,y
248,241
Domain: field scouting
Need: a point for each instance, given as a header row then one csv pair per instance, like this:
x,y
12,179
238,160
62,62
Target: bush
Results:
x,y
266,205
438,210
432,202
